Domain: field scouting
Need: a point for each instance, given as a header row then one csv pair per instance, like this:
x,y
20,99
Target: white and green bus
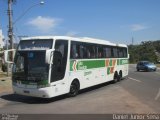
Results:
x,y
49,66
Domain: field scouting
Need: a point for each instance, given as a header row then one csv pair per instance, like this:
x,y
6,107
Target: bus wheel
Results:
x,y
74,88
120,75
116,77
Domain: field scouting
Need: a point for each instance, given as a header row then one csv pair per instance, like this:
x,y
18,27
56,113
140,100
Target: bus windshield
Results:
x,y
30,65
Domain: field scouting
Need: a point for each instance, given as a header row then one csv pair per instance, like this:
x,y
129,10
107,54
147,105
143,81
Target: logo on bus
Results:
x,y
78,66
81,66
74,67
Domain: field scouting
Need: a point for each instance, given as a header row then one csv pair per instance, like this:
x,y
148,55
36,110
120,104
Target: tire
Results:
x,y
74,88
120,75
137,69
116,77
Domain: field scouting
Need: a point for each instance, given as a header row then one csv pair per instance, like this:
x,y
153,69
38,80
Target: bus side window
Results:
x,y
81,51
90,51
84,51
107,52
73,51
100,51
120,52
124,52
115,52
76,50
93,51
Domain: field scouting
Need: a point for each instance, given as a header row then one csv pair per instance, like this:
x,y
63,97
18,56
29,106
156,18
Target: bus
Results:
x,y
49,66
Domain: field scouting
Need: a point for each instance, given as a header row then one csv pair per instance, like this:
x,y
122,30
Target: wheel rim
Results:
x,y
73,90
115,79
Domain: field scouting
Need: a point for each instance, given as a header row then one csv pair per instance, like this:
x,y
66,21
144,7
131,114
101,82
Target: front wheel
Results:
x,y
74,88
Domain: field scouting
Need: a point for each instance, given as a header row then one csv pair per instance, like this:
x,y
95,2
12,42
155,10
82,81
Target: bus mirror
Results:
x,y
8,55
49,53
128,56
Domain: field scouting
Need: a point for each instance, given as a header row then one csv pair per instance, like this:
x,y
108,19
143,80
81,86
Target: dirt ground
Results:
x,y
3,74
5,83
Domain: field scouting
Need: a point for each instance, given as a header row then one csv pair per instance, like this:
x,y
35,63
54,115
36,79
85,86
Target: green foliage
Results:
x,y
145,51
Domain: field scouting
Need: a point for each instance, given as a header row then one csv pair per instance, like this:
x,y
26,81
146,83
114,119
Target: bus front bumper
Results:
x,y
46,92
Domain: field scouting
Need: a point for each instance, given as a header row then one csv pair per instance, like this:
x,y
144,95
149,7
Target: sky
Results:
x,y
115,20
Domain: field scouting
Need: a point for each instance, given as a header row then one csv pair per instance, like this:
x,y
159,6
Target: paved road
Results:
x,y
140,93
145,86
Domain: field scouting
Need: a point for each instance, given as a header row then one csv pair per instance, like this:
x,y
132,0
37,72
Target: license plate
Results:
x,y
26,91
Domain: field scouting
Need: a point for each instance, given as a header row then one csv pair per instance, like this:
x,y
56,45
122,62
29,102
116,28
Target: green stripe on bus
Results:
x,y
90,64
122,61
71,65
108,70
110,62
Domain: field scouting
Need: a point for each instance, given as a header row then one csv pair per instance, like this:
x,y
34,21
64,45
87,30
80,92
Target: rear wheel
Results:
x,y
74,88
116,77
120,75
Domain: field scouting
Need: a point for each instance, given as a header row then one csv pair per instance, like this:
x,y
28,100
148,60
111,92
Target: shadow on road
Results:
x,y
144,71
90,89
35,100
31,100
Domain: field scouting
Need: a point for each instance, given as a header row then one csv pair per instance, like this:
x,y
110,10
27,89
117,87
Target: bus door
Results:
x,y
59,63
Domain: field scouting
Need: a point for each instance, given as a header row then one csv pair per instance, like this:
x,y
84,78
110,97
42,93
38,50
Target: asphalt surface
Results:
x,y
139,93
146,87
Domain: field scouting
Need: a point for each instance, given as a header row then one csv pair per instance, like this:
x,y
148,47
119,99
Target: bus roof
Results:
x,y
82,39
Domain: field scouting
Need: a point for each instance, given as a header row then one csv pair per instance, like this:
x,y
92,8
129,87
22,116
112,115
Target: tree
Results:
x,y
147,50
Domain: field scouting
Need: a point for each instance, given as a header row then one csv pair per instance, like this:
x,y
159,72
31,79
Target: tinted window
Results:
x,y
120,52
124,52
59,60
115,52
90,50
80,50
76,50
100,51
107,51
